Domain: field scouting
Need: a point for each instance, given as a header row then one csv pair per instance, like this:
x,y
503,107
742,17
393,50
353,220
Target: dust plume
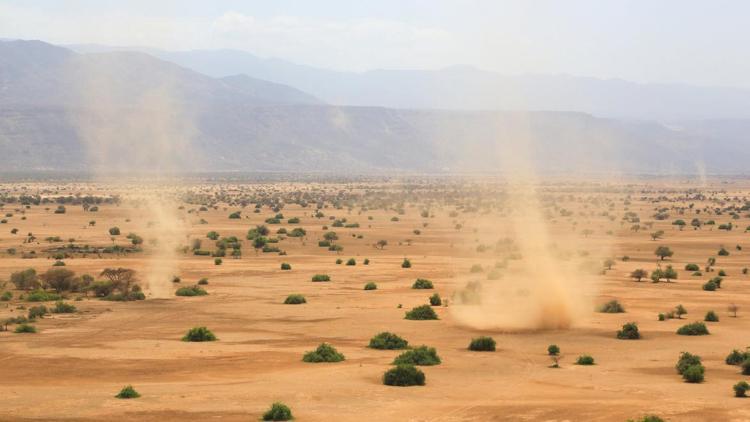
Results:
x,y
138,138
547,269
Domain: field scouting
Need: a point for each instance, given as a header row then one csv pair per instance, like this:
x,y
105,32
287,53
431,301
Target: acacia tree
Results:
x,y
25,280
663,252
60,279
639,274
121,278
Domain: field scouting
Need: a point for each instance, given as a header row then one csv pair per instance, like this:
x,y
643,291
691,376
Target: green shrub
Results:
x,y
128,392
404,376
685,360
42,296
339,261
422,283
482,344
423,312
351,261
63,308
366,261
387,341
6,296
203,282
629,332
694,373
585,360
693,329
746,367
612,307
435,300
710,286
553,350
422,355
662,317
648,418
278,412
190,291
217,261
711,317
740,389
692,267
295,299
199,334
25,328
37,312
324,353
285,266
406,263
371,286
736,357
321,277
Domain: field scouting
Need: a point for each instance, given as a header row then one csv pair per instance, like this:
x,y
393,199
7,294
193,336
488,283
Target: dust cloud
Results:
x,y
138,138
546,269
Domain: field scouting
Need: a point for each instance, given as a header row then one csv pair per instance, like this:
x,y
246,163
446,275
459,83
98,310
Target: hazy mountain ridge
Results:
x,y
468,88
239,123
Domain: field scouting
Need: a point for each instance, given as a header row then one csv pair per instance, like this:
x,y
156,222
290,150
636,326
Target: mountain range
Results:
x,y
76,108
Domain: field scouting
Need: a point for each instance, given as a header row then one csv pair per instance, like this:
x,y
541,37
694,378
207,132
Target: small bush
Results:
x,y
285,266
692,267
435,300
351,261
629,332
278,412
63,308
694,373
6,296
422,283
217,261
685,360
711,317
371,286
203,282
585,360
710,286
190,291
693,329
404,376
746,367
423,312
387,341
25,329
199,334
648,418
553,350
295,299
612,307
37,312
736,357
42,296
321,277
128,392
740,389
324,353
406,263
482,344
422,355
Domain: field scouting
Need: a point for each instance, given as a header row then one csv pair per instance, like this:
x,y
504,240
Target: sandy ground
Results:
x,y
72,368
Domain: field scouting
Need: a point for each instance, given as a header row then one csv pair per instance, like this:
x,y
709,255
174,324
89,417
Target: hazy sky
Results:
x,y
700,42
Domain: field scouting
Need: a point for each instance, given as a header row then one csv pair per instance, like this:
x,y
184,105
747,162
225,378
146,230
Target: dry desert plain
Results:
x,y
525,265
